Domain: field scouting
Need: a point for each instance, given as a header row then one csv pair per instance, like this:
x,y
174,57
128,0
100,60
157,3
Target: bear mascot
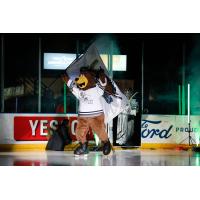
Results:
x,y
89,87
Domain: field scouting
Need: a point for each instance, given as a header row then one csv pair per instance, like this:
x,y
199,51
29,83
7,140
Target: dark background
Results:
x,y
163,61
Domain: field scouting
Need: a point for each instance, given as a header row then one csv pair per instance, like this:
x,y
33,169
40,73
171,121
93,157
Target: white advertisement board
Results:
x,y
159,129
31,128
170,129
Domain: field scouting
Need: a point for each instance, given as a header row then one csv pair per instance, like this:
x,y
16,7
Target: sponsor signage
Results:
x,y
171,129
158,129
30,128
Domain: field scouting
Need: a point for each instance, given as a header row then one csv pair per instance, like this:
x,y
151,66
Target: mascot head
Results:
x,y
86,79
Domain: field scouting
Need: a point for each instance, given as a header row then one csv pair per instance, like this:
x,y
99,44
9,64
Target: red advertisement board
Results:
x,y
34,128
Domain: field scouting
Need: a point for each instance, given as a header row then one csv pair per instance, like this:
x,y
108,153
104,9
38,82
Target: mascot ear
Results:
x,y
101,70
103,83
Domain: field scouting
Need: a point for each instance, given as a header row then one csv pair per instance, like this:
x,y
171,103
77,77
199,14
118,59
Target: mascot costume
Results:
x,y
100,100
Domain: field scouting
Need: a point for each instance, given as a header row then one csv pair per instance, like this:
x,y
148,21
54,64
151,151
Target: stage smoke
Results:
x,y
103,44
193,66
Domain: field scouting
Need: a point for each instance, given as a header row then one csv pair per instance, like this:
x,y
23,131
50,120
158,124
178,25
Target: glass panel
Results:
x,y
162,64
20,73
57,53
168,67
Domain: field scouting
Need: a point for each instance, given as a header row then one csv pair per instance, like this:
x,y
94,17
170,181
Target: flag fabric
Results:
x,y
91,58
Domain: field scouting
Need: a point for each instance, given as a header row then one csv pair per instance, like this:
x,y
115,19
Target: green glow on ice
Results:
x,y
96,160
197,161
96,138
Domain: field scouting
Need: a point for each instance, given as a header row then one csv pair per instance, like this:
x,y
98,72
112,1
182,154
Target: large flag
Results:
x,y
91,58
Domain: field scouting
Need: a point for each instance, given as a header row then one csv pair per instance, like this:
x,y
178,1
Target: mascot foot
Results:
x,y
107,148
82,149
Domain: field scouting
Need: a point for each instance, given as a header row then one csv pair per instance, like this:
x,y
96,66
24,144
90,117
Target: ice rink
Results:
x,y
134,157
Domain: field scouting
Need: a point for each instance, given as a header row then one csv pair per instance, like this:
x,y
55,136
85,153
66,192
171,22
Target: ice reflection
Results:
x,y
119,158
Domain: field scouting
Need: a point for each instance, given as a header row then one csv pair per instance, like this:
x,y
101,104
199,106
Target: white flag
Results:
x,y
118,102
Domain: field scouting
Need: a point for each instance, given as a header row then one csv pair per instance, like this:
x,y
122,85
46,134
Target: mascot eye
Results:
x,y
76,79
82,84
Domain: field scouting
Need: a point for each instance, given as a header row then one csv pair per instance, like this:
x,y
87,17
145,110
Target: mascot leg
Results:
x,y
98,126
81,132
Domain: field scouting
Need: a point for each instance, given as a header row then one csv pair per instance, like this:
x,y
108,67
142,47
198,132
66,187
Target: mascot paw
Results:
x,y
107,147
